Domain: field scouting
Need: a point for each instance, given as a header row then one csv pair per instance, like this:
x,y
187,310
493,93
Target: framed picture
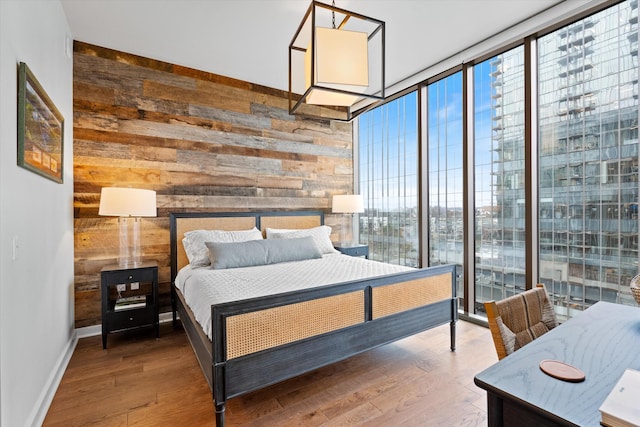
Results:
x,y
40,128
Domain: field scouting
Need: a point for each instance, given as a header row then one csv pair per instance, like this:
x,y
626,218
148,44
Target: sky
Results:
x,y
389,134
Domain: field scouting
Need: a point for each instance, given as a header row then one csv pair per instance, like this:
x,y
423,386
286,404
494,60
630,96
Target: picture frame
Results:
x,y
40,128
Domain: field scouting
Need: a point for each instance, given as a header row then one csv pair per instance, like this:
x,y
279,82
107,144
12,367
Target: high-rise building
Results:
x,y
588,158
588,186
587,180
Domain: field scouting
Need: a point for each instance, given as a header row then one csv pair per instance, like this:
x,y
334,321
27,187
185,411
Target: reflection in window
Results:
x,y
499,176
445,174
588,186
588,112
388,178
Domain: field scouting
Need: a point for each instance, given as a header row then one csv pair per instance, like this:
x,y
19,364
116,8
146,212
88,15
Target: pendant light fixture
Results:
x,y
336,63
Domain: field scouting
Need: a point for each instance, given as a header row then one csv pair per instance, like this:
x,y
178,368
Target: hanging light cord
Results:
x,y
333,14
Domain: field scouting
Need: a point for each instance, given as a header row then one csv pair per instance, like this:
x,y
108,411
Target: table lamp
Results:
x,y
349,204
128,204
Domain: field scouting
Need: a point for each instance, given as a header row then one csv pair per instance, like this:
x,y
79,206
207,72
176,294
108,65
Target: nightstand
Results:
x,y
129,298
355,250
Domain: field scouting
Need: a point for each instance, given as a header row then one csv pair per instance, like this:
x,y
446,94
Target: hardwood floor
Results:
x,y
141,381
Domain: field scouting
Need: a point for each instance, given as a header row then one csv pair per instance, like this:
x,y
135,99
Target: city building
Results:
x,y
584,188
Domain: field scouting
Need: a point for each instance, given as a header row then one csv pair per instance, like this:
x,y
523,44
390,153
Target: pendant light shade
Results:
x,y
340,63
336,61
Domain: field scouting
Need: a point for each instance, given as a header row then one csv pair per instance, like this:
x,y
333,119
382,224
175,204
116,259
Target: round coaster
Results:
x,y
562,371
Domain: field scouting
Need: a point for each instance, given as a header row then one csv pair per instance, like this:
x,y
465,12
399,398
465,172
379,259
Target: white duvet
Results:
x,y
203,286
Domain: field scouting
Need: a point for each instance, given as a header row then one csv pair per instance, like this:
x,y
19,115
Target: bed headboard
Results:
x,y
180,223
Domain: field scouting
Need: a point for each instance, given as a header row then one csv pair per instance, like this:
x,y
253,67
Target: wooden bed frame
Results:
x,y
332,322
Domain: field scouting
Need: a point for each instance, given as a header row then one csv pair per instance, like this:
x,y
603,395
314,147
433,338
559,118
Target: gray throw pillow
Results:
x,y
261,252
194,242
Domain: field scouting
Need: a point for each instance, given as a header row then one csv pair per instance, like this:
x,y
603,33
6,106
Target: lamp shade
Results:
x,y
341,63
117,201
347,203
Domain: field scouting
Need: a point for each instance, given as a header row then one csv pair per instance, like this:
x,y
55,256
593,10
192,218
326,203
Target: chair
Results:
x,y
519,319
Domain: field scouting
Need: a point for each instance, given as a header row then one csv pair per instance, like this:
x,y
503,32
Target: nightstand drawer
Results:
x,y
131,318
358,250
129,276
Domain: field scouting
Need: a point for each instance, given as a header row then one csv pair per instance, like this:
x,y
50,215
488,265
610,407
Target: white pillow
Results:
x,y
197,252
269,232
321,236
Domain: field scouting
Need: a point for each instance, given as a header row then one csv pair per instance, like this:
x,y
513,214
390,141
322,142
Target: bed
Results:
x,y
267,338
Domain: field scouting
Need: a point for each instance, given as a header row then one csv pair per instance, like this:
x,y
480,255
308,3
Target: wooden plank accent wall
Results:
x,y
201,141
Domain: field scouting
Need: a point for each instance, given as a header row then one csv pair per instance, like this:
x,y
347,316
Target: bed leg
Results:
x,y
174,307
220,415
453,335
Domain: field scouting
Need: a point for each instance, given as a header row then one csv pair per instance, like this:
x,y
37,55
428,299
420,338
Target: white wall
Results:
x,y
36,289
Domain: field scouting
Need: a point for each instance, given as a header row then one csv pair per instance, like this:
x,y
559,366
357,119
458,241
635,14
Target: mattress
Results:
x,y
203,287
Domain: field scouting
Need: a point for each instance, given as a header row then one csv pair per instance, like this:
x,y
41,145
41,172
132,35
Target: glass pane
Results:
x,y
499,176
388,151
588,159
445,175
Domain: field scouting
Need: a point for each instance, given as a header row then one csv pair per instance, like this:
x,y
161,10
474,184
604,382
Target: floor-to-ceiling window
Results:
x,y
445,188
388,181
499,152
588,158
585,188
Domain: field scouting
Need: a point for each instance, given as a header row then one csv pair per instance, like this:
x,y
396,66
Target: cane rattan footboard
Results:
x,y
262,341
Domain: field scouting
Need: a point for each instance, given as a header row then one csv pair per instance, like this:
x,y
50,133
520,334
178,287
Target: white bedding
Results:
x,y
203,287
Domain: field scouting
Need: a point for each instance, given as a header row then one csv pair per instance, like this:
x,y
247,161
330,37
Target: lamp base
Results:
x,y
346,231
127,263
129,255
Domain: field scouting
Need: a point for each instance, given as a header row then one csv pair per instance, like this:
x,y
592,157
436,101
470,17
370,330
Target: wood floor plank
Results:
x,y
145,382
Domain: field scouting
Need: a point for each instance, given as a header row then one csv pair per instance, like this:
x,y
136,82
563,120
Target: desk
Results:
x,y
602,341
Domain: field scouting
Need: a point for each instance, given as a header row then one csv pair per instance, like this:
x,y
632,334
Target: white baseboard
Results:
x,y
44,401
